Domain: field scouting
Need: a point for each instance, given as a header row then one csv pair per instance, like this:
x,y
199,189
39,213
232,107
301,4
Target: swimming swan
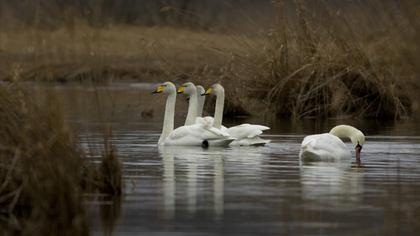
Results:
x,y
195,104
245,134
329,147
190,135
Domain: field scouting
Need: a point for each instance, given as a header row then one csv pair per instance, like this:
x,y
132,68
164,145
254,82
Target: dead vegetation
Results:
x,y
43,173
326,59
330,71
326,66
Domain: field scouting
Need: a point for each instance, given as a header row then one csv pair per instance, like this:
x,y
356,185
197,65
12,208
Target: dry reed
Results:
x,y
43,173
320,60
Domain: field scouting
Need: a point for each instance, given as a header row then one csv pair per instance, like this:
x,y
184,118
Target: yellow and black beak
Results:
x,y
181,89
159,89
208,92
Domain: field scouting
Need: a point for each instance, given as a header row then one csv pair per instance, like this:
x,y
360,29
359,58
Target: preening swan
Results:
x,y
245,134
329,146
189,135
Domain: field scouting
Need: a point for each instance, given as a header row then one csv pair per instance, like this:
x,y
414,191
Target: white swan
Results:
x,y
195,104
329,146
190,90
245,134
190,135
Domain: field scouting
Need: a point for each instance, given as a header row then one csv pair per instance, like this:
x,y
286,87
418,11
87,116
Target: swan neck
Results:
x,y
200,105
340,131
192,109
218,113
168,121
346,131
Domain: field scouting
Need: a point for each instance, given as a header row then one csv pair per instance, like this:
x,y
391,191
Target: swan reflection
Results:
x,y
332,183
168,184
178,160
218,187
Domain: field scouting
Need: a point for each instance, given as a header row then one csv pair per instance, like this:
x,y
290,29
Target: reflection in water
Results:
x,y
218,187
266,190
331,183
244,191
110,210
188,158
168,184
192,185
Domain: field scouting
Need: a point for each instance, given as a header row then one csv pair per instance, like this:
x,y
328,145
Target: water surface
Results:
x,y
247,190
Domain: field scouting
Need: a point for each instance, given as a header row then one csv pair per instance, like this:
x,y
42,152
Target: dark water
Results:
x,y
244,191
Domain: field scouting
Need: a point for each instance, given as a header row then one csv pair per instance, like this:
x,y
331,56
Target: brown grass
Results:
x,y
333,72
320,60
43,173
326,66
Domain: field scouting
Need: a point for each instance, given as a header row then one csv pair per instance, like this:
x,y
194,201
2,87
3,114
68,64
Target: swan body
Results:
x,y
329,146
323,147
194,135
244,134
187,135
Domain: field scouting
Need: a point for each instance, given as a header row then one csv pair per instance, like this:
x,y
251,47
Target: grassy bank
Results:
x,y
320,60
43,173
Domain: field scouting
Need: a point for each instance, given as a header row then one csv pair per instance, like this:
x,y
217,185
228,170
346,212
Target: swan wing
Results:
x,y
206,121
247,135
246,130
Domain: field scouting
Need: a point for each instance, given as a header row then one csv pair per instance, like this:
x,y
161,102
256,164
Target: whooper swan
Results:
x,y
188,135
245,134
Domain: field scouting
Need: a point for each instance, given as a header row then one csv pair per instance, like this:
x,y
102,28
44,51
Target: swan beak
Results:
x,y
159,89
358,150
181,89
208,92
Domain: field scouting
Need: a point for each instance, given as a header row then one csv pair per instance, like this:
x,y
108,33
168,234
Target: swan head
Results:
x,y
167,87
215,89
188,89
200,89
358,139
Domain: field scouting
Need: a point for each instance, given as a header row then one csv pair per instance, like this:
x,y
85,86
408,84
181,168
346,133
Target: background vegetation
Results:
x,y
294,58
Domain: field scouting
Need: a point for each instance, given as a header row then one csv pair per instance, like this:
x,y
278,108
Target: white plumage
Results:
x,y
187,135
244,134
329,146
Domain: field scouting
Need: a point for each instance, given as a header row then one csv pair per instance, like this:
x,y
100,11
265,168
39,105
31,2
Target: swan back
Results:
x,y
325,147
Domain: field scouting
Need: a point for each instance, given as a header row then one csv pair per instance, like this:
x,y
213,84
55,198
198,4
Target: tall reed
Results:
x,y
43,172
